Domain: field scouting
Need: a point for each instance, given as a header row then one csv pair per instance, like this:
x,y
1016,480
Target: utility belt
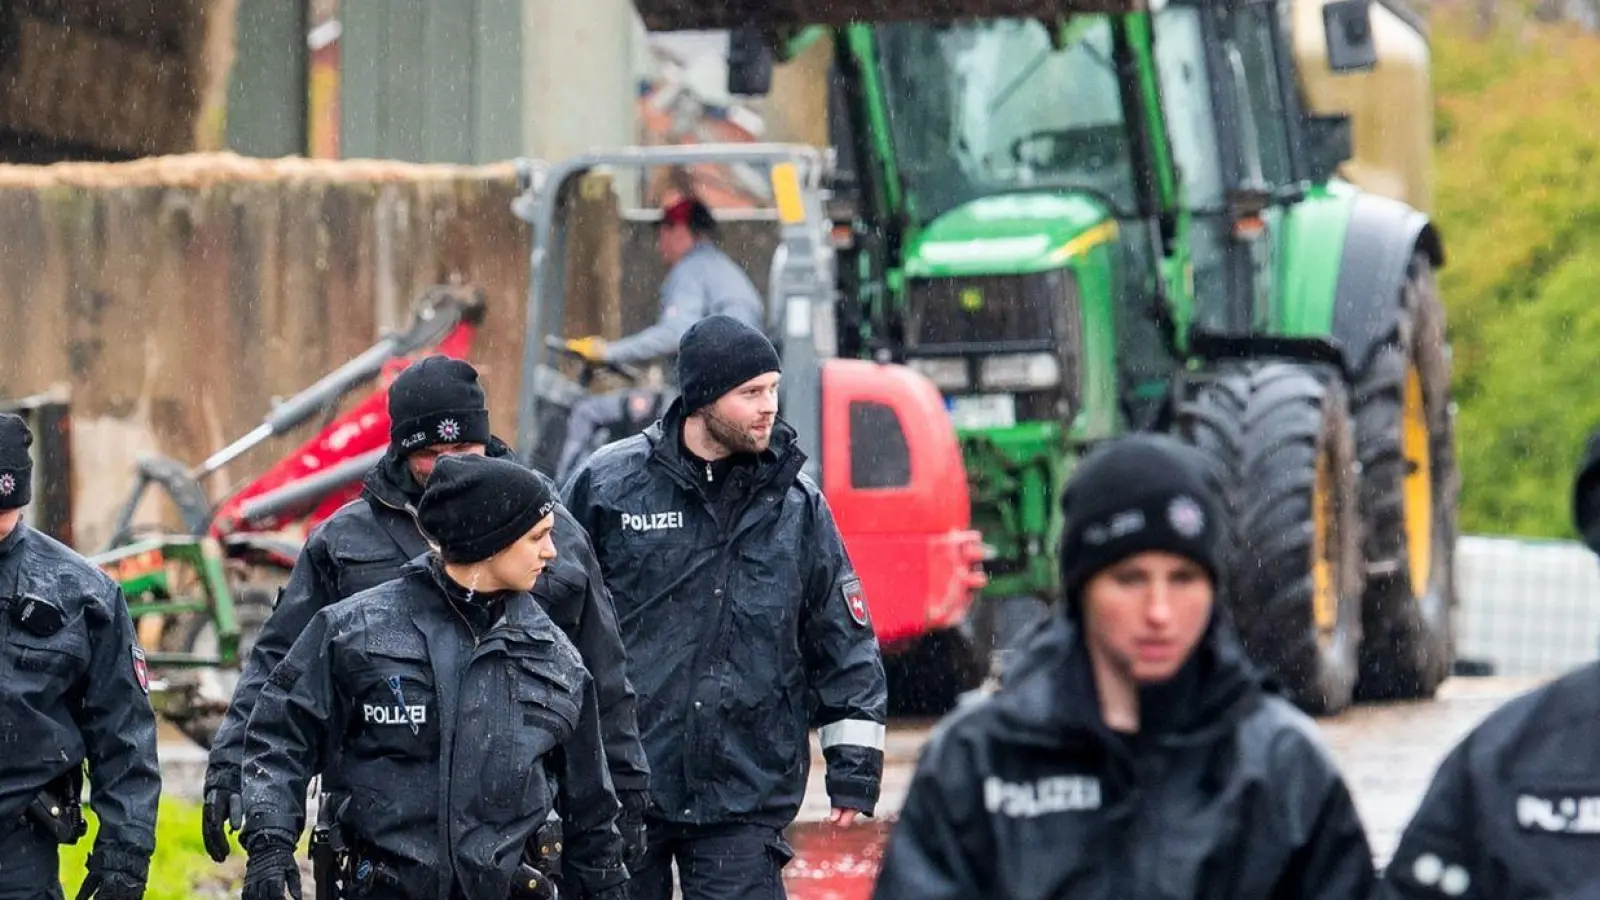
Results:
x,y
58,809
345,868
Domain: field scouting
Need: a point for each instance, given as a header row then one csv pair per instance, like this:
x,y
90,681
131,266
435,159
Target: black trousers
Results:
x,y
735,861
30,864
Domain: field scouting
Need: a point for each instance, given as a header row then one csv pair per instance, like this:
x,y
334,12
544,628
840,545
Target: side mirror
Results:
x,y
1347,24
1328,143
749,63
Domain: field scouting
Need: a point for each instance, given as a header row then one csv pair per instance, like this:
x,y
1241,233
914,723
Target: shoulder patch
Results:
x,y
284,675
141,672
855,600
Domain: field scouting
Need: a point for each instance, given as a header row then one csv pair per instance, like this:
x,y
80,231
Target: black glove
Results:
x,y
631,824
271,869
111,886
222,804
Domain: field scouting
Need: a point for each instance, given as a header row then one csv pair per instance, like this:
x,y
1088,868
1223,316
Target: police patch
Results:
x,y
449,430
8,484
1186,517
855,600
141,672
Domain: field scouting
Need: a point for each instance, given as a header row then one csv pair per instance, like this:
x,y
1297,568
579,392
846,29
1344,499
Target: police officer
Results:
x,y
436,407
744,621
439,698
73,688
1130,751
1514,808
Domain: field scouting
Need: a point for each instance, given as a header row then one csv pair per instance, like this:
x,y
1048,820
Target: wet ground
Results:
x,y
1387,752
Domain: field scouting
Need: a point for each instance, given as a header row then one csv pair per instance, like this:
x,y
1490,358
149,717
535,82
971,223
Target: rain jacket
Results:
x,y
444,732
1514,809
78,694
367,542
1226,792
745,625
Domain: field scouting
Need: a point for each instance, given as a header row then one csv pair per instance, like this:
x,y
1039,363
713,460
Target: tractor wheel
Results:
x,y
1293,578
252,606
928,678
1406,443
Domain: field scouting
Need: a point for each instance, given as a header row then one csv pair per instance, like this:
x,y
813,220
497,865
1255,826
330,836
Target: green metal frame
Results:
x,y
143,571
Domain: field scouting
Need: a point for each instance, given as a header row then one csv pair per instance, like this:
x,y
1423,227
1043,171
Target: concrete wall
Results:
x,y
176,297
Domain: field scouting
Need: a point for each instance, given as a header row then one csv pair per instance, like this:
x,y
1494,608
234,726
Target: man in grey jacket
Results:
x,y
703,281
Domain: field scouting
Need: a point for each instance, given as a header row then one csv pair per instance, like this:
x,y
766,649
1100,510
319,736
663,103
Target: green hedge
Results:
x,y
1518,202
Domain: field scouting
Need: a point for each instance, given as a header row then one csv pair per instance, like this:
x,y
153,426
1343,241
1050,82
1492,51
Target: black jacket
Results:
x,y
1226,792
1514,809
740,635
443,732
73,695
367,542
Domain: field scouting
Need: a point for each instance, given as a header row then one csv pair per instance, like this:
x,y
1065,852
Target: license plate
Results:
x,y
983,411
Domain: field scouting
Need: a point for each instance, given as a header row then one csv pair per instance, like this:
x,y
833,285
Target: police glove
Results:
x,y
631,824
271,869
111,886
222,805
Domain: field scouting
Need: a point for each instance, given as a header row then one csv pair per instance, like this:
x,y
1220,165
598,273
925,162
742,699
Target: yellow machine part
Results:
x,y
1390,107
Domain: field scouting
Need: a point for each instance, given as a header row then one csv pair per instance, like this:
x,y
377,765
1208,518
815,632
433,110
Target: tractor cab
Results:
x,y
876,436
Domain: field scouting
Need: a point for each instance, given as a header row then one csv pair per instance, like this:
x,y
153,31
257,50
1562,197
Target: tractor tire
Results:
x,y
1293,577
928,678
1405,439
253,602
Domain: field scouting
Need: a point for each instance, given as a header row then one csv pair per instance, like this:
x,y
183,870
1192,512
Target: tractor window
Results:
x,y
1254,37
879,454
987,106
1186,97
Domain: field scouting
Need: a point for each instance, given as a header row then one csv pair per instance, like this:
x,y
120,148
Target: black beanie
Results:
x,y
437,400
475,506
16,464
1134,494
717,354
1586,494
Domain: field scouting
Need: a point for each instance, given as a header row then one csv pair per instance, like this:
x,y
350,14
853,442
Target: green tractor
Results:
x,y
1080,218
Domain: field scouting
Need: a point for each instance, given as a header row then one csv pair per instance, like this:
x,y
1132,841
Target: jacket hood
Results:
x,y
1049,692
390,482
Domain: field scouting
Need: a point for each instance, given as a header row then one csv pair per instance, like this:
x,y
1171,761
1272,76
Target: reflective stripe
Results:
x,y
855,732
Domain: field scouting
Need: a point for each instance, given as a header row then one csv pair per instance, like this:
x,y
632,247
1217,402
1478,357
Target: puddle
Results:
x,y
834,863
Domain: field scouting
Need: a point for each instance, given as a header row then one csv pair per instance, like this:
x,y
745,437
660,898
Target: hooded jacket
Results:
x,y
366,543
1514,809
1225,793
444,723
745,625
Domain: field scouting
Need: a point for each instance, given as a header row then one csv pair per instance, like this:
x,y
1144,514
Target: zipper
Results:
x,y
400,698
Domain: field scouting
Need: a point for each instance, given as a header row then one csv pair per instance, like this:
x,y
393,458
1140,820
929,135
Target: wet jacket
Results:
x,y
1514,809
75,695
444,732
367,542
1226,792
705,282
737,616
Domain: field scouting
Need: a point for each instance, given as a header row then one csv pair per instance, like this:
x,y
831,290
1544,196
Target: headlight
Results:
x,y
1020,372
947,373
